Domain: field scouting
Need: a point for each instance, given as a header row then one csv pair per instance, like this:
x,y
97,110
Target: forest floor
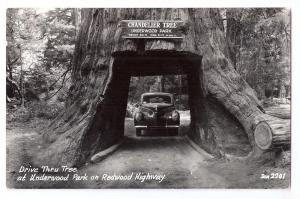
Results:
x,y
171,159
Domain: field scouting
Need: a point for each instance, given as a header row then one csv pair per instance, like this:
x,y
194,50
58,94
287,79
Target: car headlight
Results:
x,y
175,116
138,116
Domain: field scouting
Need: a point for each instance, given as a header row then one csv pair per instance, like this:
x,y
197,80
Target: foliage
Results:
x,y
175,84
60,39
42,43
261,48
41,110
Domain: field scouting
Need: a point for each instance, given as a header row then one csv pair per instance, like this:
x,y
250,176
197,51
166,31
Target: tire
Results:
x,y
138,132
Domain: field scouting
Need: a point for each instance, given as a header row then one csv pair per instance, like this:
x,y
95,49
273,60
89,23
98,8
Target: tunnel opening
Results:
x,y
176,85
211,126
163,65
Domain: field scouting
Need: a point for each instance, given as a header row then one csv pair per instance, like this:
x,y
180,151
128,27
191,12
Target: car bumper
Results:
x,y
157,127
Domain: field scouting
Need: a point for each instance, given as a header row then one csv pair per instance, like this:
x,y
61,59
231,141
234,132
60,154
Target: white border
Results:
x,y
148,3
168,193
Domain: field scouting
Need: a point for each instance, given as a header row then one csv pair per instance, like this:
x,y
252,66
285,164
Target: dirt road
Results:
x,y
149,162
173,158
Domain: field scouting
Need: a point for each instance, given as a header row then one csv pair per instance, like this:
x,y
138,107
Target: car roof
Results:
x,y
157,93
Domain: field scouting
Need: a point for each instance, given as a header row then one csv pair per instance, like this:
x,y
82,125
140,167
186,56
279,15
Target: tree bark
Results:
x,y
76,19
233,34
94,116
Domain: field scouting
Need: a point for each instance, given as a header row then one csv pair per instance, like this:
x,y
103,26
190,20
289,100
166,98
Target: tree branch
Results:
x,y
63,81
13,62
62,85
63,75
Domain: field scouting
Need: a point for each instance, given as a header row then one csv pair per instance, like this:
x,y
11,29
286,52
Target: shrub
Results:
x,y
45,110
39,109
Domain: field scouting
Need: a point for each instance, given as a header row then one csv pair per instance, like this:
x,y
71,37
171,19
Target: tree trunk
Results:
x,y
76,19
103,63
22,89
160,83
233,33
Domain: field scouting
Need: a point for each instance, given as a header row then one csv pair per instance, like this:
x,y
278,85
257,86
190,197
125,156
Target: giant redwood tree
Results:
x,y
223,106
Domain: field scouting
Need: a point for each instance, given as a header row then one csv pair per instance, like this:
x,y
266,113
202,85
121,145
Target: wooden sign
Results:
x,y
151,29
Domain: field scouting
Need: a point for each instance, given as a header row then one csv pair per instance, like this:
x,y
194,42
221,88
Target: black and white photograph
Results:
x,y
148,98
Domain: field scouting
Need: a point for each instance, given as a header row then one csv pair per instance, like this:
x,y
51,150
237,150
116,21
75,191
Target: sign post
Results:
x,y
151,29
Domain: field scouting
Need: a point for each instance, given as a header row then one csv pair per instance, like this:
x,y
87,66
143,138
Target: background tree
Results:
x,y
259,47
23,37
58,53
39,50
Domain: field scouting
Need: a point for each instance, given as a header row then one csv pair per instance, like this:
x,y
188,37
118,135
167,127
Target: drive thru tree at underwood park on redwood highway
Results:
x,y
106,57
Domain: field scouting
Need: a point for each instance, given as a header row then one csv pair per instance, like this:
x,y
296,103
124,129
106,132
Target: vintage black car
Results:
x,y
157,111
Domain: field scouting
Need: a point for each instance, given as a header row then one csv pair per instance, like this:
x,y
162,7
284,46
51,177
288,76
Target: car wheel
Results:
x,y
138,132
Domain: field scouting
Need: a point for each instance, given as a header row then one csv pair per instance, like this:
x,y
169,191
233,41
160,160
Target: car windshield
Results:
x,y
157,99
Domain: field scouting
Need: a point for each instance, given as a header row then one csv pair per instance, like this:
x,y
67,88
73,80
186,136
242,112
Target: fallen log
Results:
x,y
272,132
